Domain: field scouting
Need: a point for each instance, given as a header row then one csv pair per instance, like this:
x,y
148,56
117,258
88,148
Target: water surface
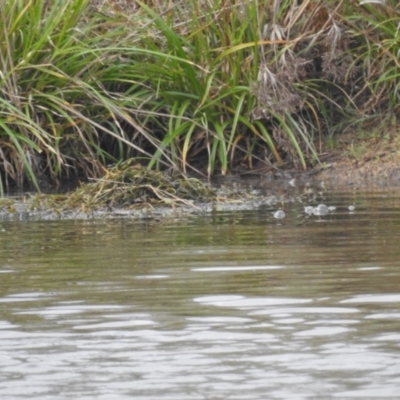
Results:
x,y
224,306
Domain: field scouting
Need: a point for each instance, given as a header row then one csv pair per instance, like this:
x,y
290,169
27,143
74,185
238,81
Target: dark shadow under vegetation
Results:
x,y
196,87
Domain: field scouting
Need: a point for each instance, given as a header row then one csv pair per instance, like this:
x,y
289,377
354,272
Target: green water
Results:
x,y
225,306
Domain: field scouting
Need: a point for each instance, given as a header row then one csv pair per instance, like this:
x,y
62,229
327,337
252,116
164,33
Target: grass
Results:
x,y
128,185
59,107
196,86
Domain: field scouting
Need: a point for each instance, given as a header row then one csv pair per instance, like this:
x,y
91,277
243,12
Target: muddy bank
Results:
x,y
364,176
364,159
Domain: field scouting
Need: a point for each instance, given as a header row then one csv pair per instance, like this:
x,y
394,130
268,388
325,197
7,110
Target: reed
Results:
x,y
200,86
61,105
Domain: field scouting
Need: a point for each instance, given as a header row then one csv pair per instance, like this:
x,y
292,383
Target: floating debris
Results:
x,y
319,210
309,210
280,214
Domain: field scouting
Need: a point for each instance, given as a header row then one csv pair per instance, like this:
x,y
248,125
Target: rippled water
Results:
x,y
227,306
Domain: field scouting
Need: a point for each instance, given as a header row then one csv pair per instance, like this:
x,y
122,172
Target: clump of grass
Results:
x,y
206,86
244,82
376,29
62,107
129,185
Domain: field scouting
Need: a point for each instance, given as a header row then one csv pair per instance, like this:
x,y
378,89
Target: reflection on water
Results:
x,y
227,306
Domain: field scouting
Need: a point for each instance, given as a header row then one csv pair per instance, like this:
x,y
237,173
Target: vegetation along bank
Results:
x,y
203,88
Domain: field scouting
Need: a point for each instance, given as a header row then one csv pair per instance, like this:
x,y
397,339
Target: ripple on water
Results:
x,y
374,298
22,297
238,268
243,302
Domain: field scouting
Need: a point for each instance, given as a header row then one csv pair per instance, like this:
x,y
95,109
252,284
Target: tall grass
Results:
x,y
195,85
58,107
376,27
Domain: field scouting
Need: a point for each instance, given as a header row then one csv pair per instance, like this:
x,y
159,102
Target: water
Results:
x,y
227,306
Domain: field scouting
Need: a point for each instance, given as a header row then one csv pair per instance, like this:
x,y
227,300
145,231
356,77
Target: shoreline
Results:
x,y
234,194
